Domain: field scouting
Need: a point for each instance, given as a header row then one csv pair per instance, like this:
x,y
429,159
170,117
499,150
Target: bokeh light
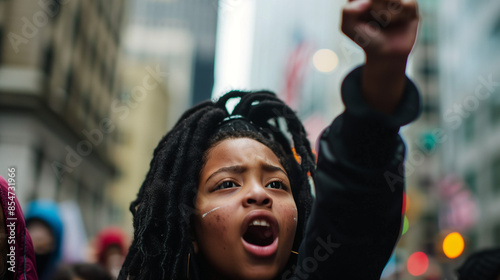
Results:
x,y
407,202
406,225
325,60
417,264
453,245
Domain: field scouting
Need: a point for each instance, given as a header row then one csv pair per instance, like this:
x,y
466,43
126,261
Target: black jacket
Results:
x,y
357,214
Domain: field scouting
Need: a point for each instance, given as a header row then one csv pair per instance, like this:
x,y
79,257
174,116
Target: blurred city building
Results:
x,y
179,34
168,65
423,161
58,80
469,67
453,158
293,48
80,115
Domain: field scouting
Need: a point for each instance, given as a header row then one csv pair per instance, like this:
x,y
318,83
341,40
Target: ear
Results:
x,y
195,246
194,243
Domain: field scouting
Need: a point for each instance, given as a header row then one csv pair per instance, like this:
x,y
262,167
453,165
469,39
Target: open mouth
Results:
x,y
260,233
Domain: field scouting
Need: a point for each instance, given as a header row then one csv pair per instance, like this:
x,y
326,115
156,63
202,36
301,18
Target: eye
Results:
x,y
277,185
226,185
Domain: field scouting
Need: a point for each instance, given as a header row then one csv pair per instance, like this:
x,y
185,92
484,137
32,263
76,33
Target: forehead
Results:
x,y
238,150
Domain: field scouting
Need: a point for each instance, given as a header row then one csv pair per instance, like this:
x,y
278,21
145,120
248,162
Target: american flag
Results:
x,y
296,69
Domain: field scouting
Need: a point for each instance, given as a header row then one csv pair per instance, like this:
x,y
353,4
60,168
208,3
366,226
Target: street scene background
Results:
x,y
88,88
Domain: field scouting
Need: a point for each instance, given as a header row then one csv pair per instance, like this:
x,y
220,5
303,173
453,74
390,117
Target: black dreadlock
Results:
x,y
165,203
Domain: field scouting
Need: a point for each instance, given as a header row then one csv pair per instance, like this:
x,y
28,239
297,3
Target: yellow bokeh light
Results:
x,y
325,60
453,245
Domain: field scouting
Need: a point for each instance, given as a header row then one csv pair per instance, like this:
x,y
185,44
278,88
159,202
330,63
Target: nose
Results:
x,y
258,196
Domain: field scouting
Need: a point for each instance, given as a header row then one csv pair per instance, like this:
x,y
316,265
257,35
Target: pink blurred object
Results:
x,y
23,263
459,209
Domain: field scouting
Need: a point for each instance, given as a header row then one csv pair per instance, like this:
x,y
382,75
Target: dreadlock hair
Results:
x,y
165,202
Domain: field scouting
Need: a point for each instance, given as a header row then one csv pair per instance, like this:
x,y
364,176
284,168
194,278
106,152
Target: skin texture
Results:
x,y
43,240
114,260
248,186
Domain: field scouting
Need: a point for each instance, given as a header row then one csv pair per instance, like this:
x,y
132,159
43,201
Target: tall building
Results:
x,y
58,81
272,44
168,60
469,64
423,161
172,24
452,166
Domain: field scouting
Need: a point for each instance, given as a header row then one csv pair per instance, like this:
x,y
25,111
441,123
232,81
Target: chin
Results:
x,y
257,276
258,273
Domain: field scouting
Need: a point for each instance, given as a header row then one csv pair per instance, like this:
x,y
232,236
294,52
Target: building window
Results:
x,y
496,234
469,128
470,179
55,8
118,25
495,31
111,82
86,104
495,109
104,74
495,172
69,82
100,7
49,60
93,54
77,23
1,44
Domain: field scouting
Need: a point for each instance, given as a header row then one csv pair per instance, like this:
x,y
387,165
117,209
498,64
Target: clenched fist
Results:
x,y
383,28
386,30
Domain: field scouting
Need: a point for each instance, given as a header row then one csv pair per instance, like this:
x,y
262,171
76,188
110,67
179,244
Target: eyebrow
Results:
x,y
238,169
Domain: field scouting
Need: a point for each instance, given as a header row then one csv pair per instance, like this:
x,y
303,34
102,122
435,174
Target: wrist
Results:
x,y
392,63
383,82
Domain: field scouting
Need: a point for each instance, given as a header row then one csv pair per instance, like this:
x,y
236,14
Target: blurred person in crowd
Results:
x,y
46,228
81,271
17,259
228,193
482,265
111,249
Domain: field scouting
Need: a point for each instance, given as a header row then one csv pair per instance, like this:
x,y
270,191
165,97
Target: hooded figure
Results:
x,y
111,249
16,254
44,223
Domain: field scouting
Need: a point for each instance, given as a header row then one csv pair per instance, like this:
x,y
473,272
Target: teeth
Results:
x,y
262,223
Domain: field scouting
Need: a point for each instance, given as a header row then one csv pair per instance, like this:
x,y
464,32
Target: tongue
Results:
x,y
257,235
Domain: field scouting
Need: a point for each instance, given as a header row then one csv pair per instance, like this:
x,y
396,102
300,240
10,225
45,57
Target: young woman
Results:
x,y
228,195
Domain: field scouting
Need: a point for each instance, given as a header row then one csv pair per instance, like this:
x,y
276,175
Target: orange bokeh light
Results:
x,y
453,245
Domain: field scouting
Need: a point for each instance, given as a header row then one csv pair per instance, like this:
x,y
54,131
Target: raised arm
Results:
x,y
356,217
386,30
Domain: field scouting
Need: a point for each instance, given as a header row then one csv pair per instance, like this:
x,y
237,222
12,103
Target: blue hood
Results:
x,y
48,211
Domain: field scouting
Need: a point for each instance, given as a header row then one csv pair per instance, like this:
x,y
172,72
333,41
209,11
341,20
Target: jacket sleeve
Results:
x,y
356,217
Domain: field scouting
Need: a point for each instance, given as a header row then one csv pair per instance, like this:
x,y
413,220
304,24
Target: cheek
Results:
x,y
213,228
289,216
214,223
